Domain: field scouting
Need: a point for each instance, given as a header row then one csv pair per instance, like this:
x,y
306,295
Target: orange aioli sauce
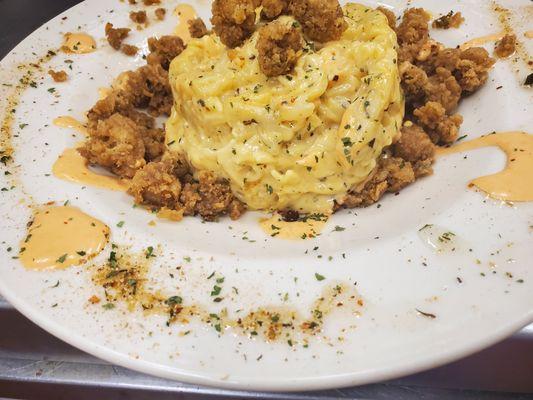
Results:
x,y
514,183
528,34
78,43
186,13
480,41
71,123
72,167
276,227
62,236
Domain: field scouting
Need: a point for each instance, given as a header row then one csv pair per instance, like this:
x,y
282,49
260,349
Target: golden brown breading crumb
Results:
x,y
156,185
233,20
58,76
210,198
116,144
164,50
441,128
151,2
197,28
416,147
414,81
413,33
278,47
506,46
450,20
138,16
444,89
129,49
160,13
391,175
274,8
391,18
473,68
115,36
321,20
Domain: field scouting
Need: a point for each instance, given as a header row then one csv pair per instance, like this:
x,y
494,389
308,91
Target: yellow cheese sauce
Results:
x,y
514,182
61,236
78,43
480,41
186,13
275,226
72,123
72,167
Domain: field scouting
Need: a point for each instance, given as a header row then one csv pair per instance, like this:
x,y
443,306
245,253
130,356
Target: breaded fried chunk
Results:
x,y
160,13
322,20
278,46
164,50
210,197
116,144
473,68
416,147
441,128
443,88
274,8
197,28
506,46
413,33
129,49
157,185
138,16
115,36
233,20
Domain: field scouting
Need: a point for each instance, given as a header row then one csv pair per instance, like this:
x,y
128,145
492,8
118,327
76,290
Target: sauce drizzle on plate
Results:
x,y
514,182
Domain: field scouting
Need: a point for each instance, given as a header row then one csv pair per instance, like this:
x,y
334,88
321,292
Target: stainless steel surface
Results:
x,y
34,364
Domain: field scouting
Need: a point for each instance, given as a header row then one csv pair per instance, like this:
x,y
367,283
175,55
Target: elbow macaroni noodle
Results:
x,y
299,141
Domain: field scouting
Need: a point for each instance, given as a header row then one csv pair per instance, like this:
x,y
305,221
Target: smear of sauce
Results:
x,y
528,34
480,41
514,183
71,123
307,228
72,167
186,13
61,236
78,43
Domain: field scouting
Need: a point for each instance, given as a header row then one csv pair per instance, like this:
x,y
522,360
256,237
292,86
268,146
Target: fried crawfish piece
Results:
x,y
116,144
115,36
278,47
164,50
274,8
210,198
441,128
197,28
321,20
157,185
234,20
416,147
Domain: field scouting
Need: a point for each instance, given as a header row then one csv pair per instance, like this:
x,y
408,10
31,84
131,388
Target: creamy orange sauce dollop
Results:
x,y
514,183
78,43
186,13
62,236
275,226
72,167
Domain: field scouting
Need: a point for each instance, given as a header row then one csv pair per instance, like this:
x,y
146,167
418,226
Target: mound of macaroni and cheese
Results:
x,y
298,141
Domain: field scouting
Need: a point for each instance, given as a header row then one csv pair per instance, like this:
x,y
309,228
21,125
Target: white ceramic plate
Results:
x,y
396,271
